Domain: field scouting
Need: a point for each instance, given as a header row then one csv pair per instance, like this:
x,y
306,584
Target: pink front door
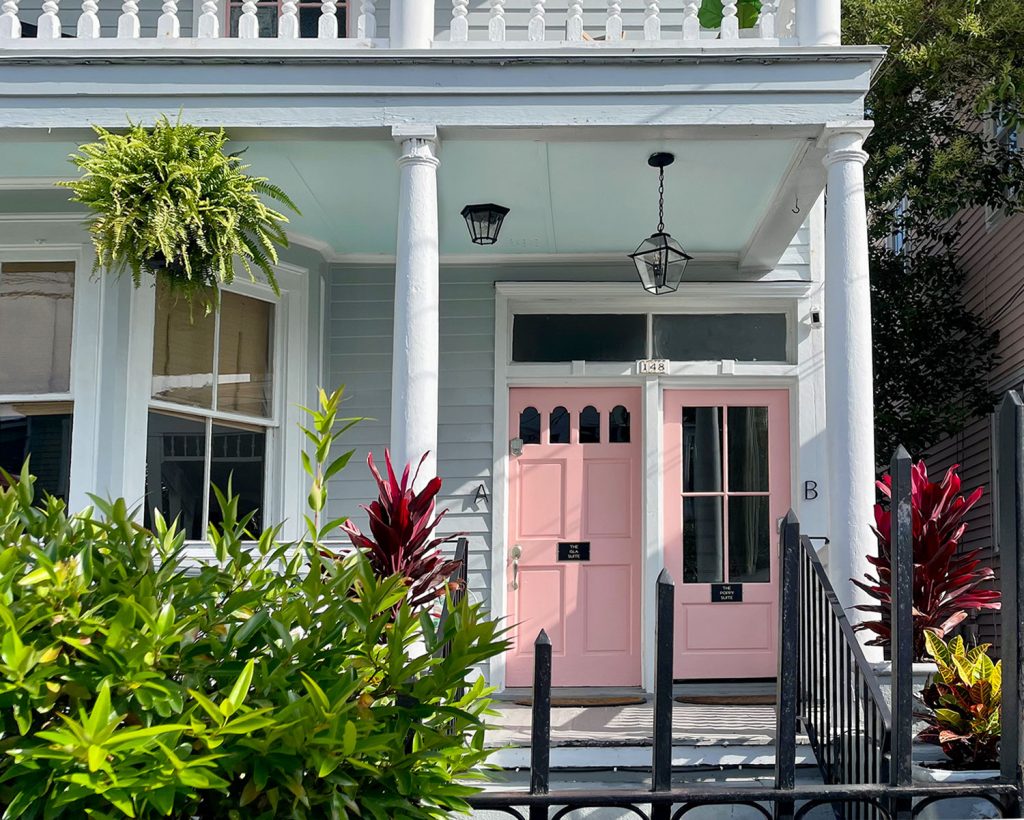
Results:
x,y
574,547
726,484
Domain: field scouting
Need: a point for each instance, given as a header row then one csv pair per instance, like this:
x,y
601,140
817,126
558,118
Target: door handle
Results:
x,y
517,553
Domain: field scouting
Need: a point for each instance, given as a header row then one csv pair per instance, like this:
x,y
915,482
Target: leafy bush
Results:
x,y
401,524
272,683
170,201
946,580
964,703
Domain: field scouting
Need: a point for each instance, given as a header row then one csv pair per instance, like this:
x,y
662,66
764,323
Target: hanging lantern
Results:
x,y
484,222
660,260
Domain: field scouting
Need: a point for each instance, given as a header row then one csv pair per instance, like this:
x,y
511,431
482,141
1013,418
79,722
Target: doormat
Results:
x,y
728,700
588,700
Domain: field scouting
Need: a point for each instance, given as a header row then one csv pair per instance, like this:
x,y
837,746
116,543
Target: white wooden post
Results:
x,y
652,21
209,21
10,25
459,28
414,374
249,23
48,25
535,31
691,23
88,21
412,23
766,20
818,22
167,24
327,26
366,23
496,25
613,22
730,22
288,23
574,22
849,405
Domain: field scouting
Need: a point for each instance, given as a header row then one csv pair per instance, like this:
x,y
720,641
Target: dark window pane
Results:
x,y
39,433
703,558
746,337
244,380
748,449
175,469
590,426
238,454
529,426
749,540
559,426
618,425
266,14
309,21
182,351
702,449
576,337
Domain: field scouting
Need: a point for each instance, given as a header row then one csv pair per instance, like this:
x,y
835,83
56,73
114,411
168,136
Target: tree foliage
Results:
x,y
953,66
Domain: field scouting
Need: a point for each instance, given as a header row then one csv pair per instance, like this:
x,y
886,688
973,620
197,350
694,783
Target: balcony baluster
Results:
x,y
459,29
10,25
249,23
613,23
327,28
366,23
535,32
652,21
209,22
88,21
288,24
168,25
574,22
48,26
766,20
691,23
496,25
730,22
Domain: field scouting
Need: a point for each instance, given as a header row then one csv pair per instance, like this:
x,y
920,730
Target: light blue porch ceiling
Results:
x,y
565,197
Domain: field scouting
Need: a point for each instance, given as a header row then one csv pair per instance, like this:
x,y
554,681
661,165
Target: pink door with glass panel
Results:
x,y
574,544
726,483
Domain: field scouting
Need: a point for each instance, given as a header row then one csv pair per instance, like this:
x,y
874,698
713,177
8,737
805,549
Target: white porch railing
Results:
x,y
345,24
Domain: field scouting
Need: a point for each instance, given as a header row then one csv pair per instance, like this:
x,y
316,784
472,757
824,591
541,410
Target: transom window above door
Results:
x,y
609,337
211,410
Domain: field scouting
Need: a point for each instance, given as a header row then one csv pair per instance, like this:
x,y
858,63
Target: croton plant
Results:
x,y
401,539
948,581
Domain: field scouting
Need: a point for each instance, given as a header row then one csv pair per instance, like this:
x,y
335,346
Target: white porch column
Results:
x,y
818,22
849,408
414,372
411,23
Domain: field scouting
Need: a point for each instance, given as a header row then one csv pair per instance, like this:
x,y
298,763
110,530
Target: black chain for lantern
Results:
x,y
661,199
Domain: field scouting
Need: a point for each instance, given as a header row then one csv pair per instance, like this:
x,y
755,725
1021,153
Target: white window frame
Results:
x,y
82,388
284,481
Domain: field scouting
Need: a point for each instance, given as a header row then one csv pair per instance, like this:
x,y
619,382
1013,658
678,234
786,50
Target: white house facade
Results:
x,y
589,433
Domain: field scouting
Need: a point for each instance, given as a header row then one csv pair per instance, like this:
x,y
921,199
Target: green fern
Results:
x,y
171,202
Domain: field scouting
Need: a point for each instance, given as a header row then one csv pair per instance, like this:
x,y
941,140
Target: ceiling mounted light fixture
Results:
x,y
659,259
484,222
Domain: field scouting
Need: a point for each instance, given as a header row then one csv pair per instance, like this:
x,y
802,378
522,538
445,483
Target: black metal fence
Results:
x,y
824,684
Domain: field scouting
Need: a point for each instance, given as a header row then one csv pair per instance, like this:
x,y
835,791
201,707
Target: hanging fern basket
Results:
x,y
171,202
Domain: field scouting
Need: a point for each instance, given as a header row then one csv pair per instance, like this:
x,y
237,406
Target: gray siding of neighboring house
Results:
x,y
357,353
993,258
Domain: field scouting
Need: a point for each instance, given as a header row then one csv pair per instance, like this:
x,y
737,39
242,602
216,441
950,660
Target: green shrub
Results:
x,y
271,683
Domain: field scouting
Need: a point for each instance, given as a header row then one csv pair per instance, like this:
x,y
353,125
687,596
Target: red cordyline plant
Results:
x,y
402,523
946,580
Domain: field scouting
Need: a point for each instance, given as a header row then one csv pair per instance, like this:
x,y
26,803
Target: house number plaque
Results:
x,y
726,593
573,550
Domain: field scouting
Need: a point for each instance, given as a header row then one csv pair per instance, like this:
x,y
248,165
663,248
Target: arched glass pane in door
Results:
x,y
559,426
618,425
529,426
590,425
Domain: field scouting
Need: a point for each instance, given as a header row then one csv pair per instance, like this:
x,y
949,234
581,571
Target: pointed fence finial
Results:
x,y
542,639
665,577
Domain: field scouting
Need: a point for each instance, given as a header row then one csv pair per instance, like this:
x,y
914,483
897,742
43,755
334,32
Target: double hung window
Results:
x,y
36,318
211,410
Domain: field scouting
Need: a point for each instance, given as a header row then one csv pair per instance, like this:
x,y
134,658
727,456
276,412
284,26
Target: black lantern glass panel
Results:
x,y
659,259
484,222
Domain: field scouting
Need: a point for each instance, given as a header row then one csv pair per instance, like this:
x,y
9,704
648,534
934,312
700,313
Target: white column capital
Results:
x,y
419,145
844,141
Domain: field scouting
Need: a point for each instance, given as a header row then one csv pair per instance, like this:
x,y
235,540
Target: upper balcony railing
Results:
x,y
334,25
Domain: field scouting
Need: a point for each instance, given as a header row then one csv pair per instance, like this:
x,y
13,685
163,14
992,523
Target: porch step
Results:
x,y
637,758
